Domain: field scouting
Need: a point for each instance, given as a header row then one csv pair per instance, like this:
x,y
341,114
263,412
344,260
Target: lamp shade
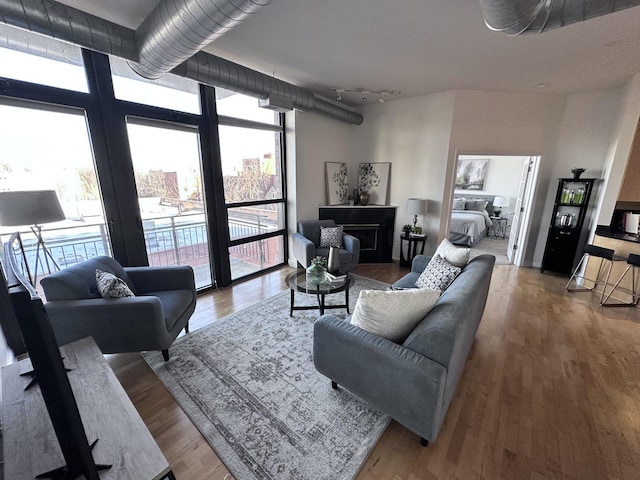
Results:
x,y
417,206
500,201
29,207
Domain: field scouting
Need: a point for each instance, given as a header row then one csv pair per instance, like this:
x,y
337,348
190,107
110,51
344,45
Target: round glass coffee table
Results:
x,y
297,282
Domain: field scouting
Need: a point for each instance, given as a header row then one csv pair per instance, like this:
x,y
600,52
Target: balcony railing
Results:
x,y
170,240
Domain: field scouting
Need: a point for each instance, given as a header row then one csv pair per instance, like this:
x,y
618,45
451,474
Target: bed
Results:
x,y
470,219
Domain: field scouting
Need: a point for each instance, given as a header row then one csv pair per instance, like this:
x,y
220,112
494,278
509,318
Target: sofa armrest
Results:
x,y
303,249
419,263
400,382
157,279
117,325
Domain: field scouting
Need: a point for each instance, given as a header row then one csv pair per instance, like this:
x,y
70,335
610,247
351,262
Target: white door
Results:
x,y
519,208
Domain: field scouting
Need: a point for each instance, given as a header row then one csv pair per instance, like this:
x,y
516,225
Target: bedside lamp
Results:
x,y
33,207
499,202
415,207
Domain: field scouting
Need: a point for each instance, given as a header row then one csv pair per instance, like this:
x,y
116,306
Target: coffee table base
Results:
x,y
321,305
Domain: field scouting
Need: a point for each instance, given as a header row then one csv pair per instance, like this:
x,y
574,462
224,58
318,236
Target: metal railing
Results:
x,y
170,240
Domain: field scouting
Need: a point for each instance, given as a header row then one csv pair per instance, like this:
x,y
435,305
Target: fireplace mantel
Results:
x,y
372,224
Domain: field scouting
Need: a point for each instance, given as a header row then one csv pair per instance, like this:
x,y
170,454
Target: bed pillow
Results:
x,y
111,286
438,275
475,205
331,237
458,256
458,203
393,314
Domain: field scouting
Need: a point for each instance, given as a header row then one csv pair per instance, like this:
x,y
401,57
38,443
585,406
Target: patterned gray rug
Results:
x,y
248,383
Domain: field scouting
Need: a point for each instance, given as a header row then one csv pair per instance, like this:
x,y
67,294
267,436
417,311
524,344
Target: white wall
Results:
x,y
413,134
617,156
510,124
312,140
585,135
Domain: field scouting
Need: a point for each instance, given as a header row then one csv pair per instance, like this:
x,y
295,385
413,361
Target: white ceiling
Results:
x,y
414,46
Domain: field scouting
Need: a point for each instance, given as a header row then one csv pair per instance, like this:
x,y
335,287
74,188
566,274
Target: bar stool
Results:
x,y
605,255
633,261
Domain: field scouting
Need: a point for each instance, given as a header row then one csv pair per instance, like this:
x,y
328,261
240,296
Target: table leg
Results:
x,y
291,307
321,303
346,300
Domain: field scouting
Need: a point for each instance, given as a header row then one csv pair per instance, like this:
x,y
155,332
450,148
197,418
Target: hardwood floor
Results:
x,y
551,390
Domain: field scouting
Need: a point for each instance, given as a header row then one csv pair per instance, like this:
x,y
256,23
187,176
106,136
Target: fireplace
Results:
x,y
367,233
372,225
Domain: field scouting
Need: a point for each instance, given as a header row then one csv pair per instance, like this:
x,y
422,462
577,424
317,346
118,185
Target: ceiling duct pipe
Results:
x,y
68,24
177,29
514,17
211,70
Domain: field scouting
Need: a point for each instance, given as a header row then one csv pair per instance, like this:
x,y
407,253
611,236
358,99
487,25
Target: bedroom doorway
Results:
x,y
492,199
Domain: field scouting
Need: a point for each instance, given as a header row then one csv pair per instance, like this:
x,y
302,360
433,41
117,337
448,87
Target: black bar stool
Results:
x,y
605,255
633,261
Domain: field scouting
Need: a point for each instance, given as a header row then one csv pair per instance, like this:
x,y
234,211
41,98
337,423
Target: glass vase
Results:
x,y
315,274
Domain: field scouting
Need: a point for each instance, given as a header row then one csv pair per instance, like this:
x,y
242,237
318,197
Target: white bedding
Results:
x,y
470,222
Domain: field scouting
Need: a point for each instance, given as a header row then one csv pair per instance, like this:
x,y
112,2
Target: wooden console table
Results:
x,y
31,446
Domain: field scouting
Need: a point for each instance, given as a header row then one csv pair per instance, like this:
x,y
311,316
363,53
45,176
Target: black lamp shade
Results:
x,y
29,207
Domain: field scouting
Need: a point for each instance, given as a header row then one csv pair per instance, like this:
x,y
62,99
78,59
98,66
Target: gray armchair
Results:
x,y
165,298
306,245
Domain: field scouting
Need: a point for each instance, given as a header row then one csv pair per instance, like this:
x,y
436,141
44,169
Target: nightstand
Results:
x,y
498,227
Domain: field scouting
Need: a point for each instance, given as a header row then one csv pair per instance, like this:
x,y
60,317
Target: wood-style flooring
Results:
x,y
551,390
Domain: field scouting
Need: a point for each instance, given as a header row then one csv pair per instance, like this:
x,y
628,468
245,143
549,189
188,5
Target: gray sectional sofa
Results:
x,y
413,383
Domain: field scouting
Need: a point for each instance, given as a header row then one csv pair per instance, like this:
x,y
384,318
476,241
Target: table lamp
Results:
x,y
499,201
33,208
415,207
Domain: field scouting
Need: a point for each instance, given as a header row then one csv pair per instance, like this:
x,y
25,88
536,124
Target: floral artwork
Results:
x,y
374,179
337,183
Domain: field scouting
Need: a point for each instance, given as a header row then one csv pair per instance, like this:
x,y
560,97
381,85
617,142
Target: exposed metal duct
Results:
x,y
514,17
177,29
68,24
212,70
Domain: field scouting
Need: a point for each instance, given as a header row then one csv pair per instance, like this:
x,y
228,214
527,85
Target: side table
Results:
x,y
413,242
498,227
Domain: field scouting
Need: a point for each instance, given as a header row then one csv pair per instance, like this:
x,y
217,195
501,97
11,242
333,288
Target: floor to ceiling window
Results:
x,y
170,175
251,155
46,147
166,163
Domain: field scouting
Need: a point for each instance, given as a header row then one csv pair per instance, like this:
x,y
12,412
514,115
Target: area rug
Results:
x,y
249,385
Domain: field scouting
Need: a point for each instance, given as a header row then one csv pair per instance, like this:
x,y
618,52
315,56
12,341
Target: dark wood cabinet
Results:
x,y
566,225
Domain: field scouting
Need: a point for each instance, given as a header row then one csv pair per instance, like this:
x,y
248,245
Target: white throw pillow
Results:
x,y
393,314
458,204
458,256
438,275
111,286
331,236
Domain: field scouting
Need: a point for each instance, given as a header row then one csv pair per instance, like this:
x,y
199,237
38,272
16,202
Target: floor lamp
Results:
x,y
33,208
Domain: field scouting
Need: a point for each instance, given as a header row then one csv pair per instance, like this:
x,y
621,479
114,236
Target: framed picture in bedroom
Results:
x,y
471,173
374,179
337,183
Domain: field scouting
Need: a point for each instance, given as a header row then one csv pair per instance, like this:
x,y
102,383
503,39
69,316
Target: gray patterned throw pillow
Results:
x,y
330,237
111,286
438,275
